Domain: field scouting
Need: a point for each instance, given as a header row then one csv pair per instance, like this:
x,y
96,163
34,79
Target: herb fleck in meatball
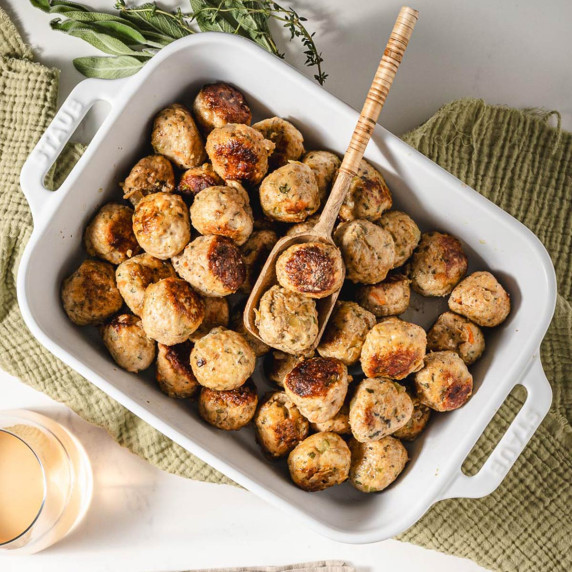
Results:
x,y
290,194
218,104
174,374
222,360
482,299
237,324
239,153
388,298
405,233
393,348
339,423
135,274
438,264
127,343
279,425
415,426
152,174
196,179
176,136
368,196
228,410
172,311
318,386
376,465
368,251
346,331
255,251
314,269
213,265
320,461
287,321
161,225
109,235
280,365
90,295
288,141
325,166
216,315
457,334
444,384
378,408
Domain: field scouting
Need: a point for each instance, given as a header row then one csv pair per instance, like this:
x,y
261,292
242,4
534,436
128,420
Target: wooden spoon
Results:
x,y
322,232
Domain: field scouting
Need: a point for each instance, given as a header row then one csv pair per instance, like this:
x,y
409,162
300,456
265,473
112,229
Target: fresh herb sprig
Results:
x,y
132,35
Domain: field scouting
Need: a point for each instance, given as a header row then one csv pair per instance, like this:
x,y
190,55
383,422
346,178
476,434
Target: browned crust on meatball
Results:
x,y
310,270
151,174
313,377
179,357
453,254
118,322
242,395
226,263
393,364
174,374
457,393
226,101
239,159
197,179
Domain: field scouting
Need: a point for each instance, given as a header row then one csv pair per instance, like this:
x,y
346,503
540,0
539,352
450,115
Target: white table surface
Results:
x,y
516,53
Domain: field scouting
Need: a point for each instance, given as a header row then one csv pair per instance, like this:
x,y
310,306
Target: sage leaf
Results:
x,y
148,17
58,6
108,67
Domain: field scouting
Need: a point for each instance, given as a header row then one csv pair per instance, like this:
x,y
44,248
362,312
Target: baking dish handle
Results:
x,y
58,133
512,443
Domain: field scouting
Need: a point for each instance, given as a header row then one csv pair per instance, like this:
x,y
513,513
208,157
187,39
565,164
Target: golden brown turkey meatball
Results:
x,y
415,426
161,225
216,315
134,275
255,251
237,324
222,360
172,311
367,249
438,264
224,211
279,425
127,343
378,408
280,365
213,265
388,298
368,196
325,165
152,174
482,299
196,179
228,410
287,321
90,295
288,141
218,104
393,348
444,384
174,374
376,465
457,334
320,461
176,136
313,269
109,235
290,194
303,227
405,233
318,386
339,423
239,153
346,331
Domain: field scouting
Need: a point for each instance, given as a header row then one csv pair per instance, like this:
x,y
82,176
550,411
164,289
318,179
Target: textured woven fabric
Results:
x,y
512,157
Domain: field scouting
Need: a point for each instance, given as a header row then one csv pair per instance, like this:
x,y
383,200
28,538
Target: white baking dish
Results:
x,y
436,200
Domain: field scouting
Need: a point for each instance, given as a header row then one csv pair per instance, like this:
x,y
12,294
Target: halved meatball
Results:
x,y
237,324
339,423
325,165
239,153
444,384
415,426
279,425
368,251
438,264
255,251
216,315
196,179
228,410
393,348
288,141
313,269
109,235
482,299
90,295
218,104
172,311
320,461
388,298
280,365
152,174
376,465
405,233
174,374
378,408
213,265
161,225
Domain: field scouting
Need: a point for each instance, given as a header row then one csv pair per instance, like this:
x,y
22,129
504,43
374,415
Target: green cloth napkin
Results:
x,y
512,157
